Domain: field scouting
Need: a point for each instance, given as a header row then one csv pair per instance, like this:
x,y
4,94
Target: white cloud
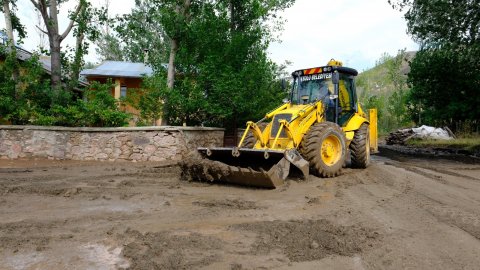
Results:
x,y
354,31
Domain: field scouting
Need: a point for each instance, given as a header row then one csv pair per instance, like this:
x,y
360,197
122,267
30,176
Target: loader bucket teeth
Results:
x,y
297,160
247,167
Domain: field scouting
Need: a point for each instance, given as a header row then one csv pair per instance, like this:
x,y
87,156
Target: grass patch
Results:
x,y
470,144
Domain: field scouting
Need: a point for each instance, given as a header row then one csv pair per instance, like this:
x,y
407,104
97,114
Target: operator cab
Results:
x,y
317,84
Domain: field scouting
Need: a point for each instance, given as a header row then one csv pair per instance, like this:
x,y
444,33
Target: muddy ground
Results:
x,y
400,213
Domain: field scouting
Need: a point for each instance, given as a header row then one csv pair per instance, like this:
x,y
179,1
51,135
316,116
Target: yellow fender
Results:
x,y
357,120
373,130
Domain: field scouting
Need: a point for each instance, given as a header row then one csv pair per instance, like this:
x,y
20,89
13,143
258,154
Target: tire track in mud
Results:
x,y
451,215
417,169
454,216
447,172
38,235
60,183
309,240
168,250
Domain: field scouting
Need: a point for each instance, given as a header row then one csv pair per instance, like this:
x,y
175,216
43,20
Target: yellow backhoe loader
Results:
x,y
313,131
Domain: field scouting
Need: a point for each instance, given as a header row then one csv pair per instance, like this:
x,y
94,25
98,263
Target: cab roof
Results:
x,y
325,69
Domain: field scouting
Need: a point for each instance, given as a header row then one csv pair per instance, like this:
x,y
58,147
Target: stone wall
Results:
x,y
127,144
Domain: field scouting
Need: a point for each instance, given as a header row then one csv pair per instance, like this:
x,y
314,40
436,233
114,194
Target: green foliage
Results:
x,y
140,30
16,23
469,144
29,99
99,109
23,97
109,48
224,57
85,31
149,99
445,86
224,76
438,22
385,87
444,75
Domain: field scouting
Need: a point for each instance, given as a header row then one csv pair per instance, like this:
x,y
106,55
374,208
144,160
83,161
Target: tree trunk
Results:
x,y
56,66
171,73
77,61
174,46
232,18
55,56
171,63
8,22
11,42
49,11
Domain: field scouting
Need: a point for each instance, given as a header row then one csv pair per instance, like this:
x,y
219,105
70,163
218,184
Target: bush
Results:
x,y
444,86
26,98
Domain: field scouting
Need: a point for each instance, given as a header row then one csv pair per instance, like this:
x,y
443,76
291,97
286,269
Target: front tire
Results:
x,y
324,148
360,147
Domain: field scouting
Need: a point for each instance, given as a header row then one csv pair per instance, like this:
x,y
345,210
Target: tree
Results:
x,y
444,75
175,15
385,88
150,23
157,26
110,48
397,102
246,85
108,45
445,86
218,64
138,31
438,22
49,11
86,29
12,22
8,21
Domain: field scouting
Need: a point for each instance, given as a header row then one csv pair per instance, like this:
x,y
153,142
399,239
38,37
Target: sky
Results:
x,y
356,32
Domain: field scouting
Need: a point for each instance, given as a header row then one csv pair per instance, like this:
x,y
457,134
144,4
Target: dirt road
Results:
x,y
397,214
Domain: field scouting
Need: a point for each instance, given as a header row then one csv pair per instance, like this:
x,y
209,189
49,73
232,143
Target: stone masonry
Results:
x,y
109,144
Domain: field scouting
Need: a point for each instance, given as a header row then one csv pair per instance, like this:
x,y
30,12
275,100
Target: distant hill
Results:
x,y
385,87
376,81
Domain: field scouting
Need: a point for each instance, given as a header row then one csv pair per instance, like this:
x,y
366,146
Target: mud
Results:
x,y
400,213
164,250
199,169
232,204
309,240
467,156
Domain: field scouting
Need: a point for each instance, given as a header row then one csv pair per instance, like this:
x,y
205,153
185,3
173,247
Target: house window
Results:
x,y
123,91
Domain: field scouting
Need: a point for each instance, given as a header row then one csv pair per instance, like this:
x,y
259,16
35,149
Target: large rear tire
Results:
x,y
360,147
324,148
250,139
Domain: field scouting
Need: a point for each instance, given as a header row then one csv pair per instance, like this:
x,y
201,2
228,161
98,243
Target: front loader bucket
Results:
x,y
250,167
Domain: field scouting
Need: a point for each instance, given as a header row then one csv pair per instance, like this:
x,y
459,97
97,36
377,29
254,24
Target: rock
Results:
x,y
157,159
82,144
136,157
101,156
140,140
150,149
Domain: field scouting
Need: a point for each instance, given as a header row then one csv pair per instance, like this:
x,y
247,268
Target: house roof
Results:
x,y
45,61
119,69
23,55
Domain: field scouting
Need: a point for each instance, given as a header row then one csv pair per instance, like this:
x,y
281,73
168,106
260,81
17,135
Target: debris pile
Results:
x,y
401,136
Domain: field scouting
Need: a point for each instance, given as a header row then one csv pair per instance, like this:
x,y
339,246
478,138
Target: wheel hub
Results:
x,y
331,150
